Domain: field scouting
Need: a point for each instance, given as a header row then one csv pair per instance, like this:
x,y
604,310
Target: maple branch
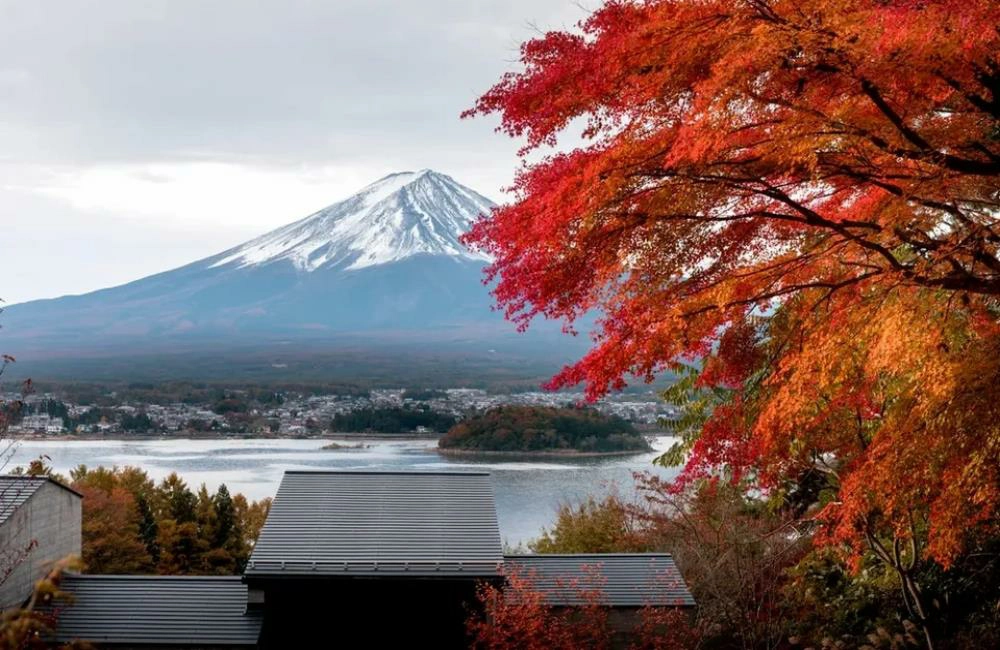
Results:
x,y
897,121
895,190
989,106
954,163
784,291
815,218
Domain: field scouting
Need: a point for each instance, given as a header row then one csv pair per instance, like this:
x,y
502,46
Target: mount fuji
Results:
x,y
400,216
384,266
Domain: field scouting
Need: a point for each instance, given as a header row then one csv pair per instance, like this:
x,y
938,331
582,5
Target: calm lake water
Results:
x,y
527,492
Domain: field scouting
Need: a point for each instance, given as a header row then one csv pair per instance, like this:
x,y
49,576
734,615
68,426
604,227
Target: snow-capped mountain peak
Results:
x,y
401,215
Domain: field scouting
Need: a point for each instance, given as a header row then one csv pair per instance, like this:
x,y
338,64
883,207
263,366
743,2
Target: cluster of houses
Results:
x,y
382,559
39,423
301,415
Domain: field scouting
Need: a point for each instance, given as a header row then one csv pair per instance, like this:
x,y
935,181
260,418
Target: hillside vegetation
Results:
x,y
543,428
391,420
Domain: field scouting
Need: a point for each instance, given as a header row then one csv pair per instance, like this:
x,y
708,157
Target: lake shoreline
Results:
x,y
190,435
529,491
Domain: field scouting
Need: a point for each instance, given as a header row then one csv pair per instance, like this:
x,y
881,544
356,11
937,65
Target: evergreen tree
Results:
x,y
205,515
148,528
180,548
225,517
179,502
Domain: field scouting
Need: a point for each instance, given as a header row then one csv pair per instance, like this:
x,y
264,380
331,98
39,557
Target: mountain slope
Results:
x,y
384,264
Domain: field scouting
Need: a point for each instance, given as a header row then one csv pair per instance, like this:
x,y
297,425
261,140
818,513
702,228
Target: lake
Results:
x,y
527,492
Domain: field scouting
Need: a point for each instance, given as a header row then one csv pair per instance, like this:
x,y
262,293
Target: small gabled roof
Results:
x,y
623,579
428,524
201,611
16,489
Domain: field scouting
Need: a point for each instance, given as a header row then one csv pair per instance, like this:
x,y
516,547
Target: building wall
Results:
x,y
377,612
51,518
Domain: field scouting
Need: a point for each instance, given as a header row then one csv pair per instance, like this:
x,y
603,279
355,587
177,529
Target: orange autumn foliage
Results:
x,y
110,529
804,194
518,616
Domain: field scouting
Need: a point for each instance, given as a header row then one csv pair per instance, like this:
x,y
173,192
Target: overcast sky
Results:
x,y
139,136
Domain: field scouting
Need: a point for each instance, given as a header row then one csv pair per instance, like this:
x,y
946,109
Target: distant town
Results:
x,y
259,412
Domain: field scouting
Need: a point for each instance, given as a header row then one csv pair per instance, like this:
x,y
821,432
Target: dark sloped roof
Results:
x,y
167,610
380,523
624,580
15,489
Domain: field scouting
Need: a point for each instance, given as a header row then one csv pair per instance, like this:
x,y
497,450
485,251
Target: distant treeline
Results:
x,y
194,393
543,428
392,420
423,394
309,367
224,396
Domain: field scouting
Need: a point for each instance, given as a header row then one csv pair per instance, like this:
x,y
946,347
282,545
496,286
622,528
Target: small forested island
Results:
x,y
543,430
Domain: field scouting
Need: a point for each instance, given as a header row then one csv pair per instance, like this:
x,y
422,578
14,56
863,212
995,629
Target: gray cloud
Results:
x,y
278,81
109,108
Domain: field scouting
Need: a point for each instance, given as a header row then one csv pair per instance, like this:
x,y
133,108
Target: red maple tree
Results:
x,y
799,197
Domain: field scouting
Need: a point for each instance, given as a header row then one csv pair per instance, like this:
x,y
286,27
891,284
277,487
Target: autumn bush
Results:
x,y
27,627
609,525
761,582
734,552
517,616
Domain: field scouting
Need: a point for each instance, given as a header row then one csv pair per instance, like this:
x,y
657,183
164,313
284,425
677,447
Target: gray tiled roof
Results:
x,y
380,523
624,580
170,610
16,489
